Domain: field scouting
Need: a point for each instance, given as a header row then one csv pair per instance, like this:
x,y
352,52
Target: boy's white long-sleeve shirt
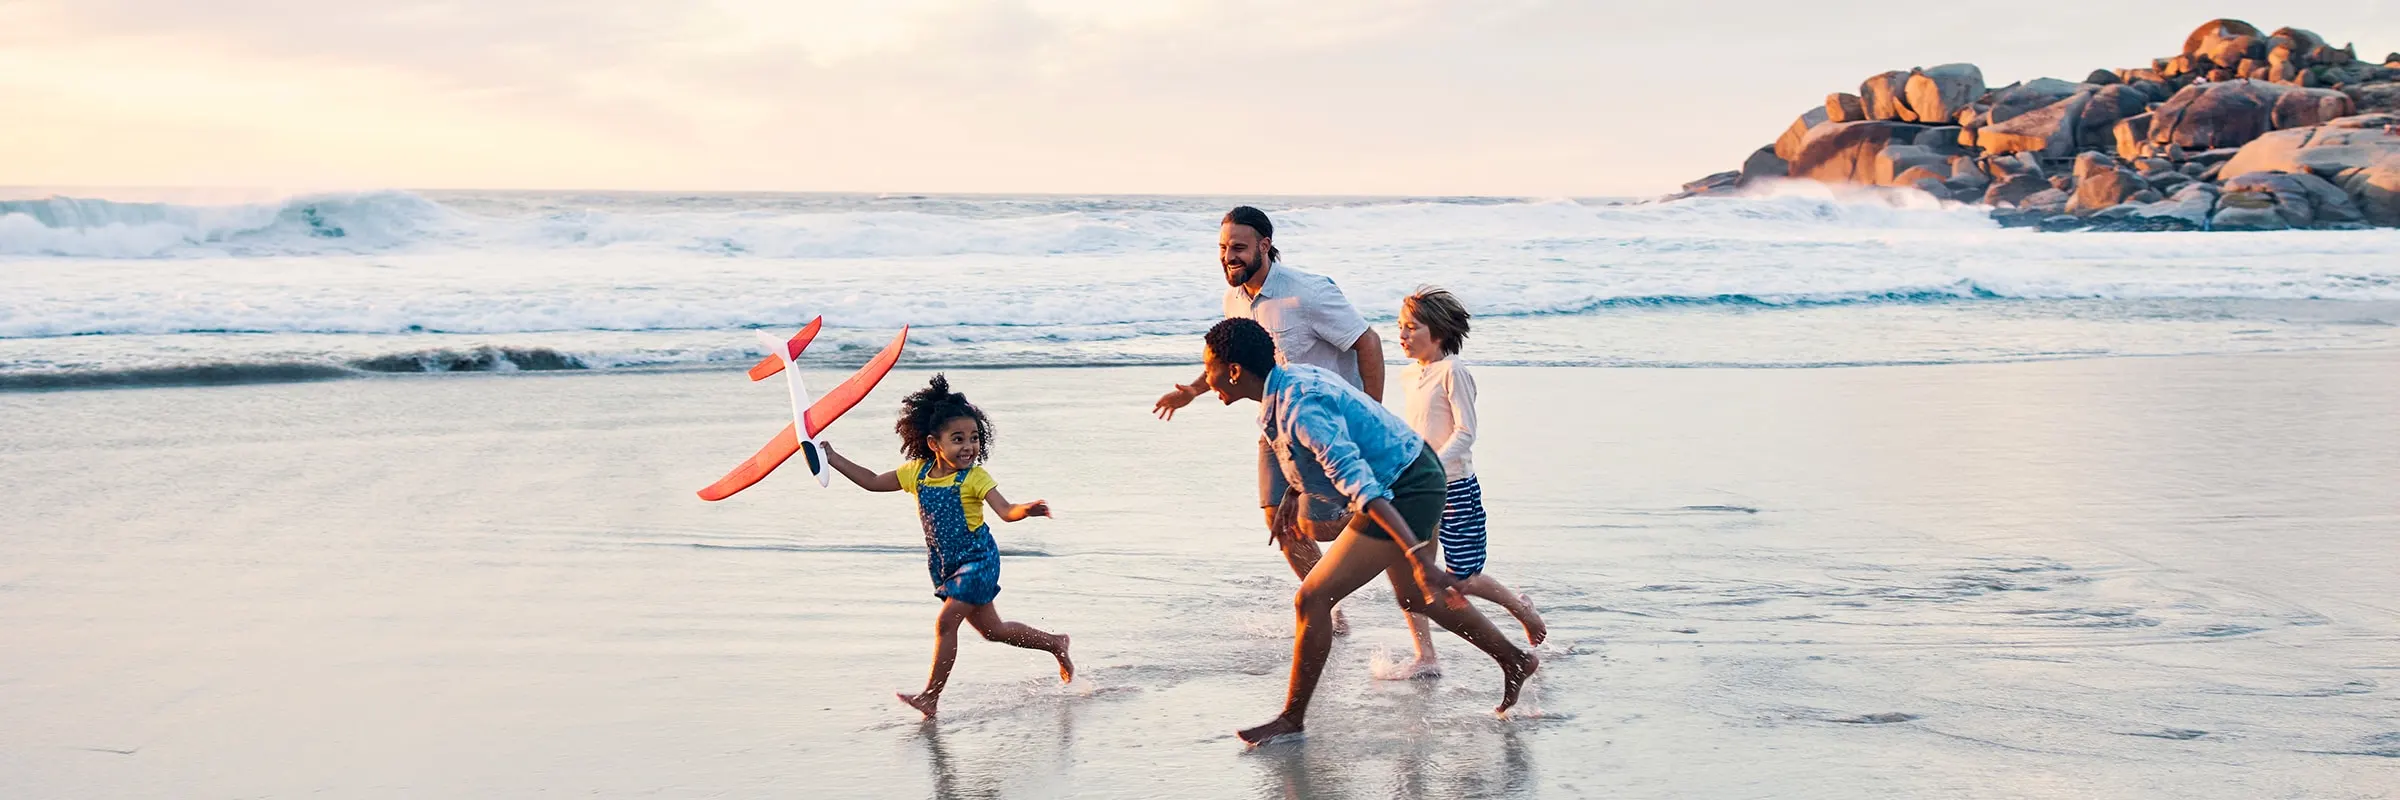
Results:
x,y
1440,406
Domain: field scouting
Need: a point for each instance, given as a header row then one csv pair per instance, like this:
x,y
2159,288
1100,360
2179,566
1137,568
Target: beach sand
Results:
x,y
2134,577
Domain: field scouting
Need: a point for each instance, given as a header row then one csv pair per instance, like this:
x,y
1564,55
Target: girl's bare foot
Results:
x,y
1535,630
921,703
1066,666
1513,677
1277,728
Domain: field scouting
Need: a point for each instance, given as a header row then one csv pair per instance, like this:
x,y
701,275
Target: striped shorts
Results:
x,y
1462,529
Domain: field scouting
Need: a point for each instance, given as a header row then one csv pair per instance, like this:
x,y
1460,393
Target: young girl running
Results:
x,y
944,437
1440,405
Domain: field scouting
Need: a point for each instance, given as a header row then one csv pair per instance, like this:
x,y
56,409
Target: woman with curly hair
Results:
x,y
946,438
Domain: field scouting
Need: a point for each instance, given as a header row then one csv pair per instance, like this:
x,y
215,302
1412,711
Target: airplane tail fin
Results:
x,y
767,367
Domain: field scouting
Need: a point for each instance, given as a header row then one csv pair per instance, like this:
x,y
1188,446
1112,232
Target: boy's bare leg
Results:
x,y
1515,664
1426,664
1489,588
1353,560
945,655
987,621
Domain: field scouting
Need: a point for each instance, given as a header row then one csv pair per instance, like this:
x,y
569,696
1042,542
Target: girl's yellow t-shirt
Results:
x,y
970,496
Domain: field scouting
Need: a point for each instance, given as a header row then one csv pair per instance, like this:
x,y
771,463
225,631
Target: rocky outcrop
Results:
x,y
2240,129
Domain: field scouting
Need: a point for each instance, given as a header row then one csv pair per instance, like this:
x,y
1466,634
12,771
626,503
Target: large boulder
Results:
x,y
1846,152
2301,108
1964,175
2376,189
2289,198
1921,174
2012,190
2300,40
2354,153
1897,159
2098,124
2324,150
2248,211
2105,188
1787,146
2213,115
2374,97
2133,136
1762,165
1942,139
2332,205
2188,209
1937,94
2048,132
2012,101
2224,42
2263,202
2168,183
1844,107
2005,166
2047,202
1886,97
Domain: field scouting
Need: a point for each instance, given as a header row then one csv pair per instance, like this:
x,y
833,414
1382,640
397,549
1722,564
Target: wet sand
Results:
x,y
2124,577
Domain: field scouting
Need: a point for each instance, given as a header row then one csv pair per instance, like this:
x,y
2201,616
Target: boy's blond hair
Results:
x,y
1440,314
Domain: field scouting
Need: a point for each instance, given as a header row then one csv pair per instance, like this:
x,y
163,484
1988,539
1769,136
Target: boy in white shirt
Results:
x,y
1440,406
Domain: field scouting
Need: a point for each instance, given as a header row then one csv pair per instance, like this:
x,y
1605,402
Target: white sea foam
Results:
x,y
1076,280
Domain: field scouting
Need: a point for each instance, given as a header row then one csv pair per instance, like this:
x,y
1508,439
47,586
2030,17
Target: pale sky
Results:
x,y
1493,97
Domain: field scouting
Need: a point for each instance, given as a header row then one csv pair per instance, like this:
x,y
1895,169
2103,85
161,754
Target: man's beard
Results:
x,y
1249,270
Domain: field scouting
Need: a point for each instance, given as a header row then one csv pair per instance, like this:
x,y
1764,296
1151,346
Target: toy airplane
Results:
x,y
808,418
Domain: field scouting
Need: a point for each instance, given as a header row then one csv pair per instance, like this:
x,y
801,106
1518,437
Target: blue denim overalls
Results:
x,y
965,562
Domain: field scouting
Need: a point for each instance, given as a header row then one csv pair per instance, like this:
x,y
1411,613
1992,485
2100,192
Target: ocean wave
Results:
x,y
400,220
367,222
479,359
296,370
202,374
358,222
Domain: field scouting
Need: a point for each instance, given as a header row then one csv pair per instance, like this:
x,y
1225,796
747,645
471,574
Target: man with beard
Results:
x,y
1313,324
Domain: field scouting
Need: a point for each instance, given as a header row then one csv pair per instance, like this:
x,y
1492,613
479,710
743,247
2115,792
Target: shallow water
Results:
x,y
2114,577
